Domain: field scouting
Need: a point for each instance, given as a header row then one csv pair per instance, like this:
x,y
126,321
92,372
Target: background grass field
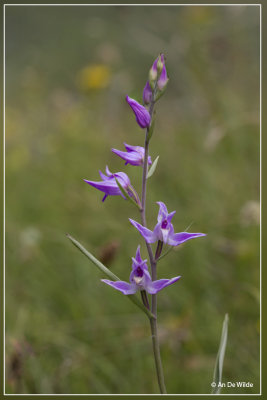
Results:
x,y
68,70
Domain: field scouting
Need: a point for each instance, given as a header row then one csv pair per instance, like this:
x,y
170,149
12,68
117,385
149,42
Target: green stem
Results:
x,y
159,369
153,262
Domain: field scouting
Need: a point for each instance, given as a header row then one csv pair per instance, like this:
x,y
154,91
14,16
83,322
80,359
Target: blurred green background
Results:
x,y
68,70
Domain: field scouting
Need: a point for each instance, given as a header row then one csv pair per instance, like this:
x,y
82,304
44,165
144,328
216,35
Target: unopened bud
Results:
x,y
160,63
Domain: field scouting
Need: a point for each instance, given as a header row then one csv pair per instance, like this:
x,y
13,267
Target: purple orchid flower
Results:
x,y
140,279
109,186
141,113
147,93
133,155
164,231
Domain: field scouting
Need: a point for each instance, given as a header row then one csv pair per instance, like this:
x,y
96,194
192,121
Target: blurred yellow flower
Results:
x,y
95,76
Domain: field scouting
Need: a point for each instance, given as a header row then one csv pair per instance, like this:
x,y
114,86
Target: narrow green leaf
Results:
x,y
126,194
109,274
217,374
152,168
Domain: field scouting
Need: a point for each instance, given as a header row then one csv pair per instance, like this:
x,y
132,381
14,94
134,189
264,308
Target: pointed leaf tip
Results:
x,y
218,369
153,167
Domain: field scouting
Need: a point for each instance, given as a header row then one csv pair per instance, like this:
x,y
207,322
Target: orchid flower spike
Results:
x,y
134,155
140,279
109,186
164,231
141,113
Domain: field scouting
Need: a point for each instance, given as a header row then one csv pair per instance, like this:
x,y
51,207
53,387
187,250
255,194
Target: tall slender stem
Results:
x,y
153,261
156,351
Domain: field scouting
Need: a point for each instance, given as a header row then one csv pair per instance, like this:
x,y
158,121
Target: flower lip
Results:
x,y
139,272
164,224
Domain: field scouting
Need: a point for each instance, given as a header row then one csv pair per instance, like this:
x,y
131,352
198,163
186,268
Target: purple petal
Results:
x,y
169,217
128,147
157,231
178,238
155,286
165,235
108,171
163,212
139,150
141,113
132,157
123,179
124,287
103,176
109,187
148,235
138,255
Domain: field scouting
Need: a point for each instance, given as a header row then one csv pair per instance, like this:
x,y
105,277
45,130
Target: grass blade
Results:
x,y
217,374
109,274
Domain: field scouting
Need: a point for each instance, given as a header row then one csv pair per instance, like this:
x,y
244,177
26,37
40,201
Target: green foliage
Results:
x,y
153,167
67,332
218,370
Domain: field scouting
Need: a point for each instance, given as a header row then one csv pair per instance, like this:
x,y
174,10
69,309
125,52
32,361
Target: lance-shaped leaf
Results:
x,y
153,167
217,375
109,274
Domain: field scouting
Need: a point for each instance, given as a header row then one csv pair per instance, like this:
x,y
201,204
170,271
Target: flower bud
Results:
x,y
163,79
160,63
141,113
147,94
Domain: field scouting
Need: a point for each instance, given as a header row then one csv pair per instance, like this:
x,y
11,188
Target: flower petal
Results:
x,y
103,176
109,187
155,286
178,238
169,217
163,212
129,148
165,235
108,171
132,157
138,255
123,179
124,287
148,235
